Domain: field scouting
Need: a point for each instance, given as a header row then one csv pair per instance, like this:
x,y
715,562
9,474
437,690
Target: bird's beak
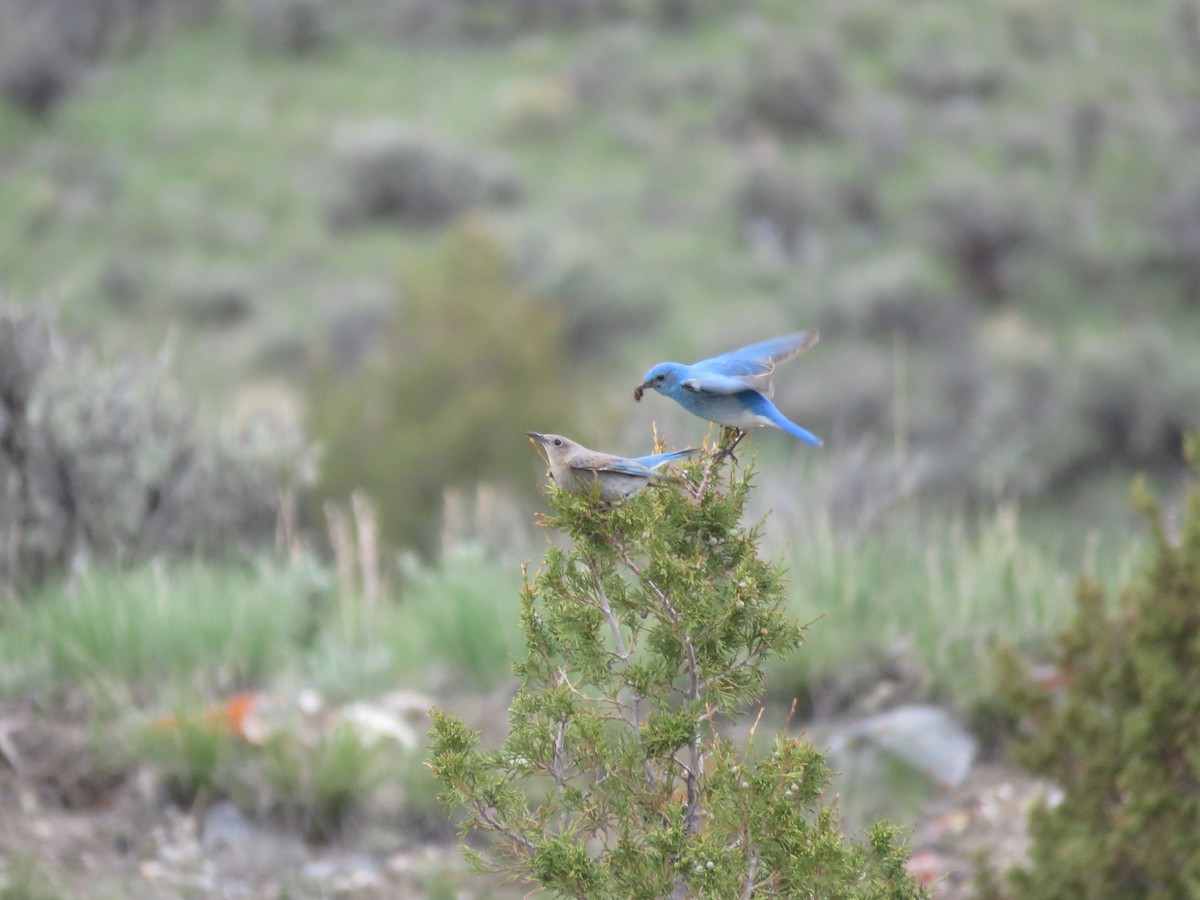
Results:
x,y
540,445
640,389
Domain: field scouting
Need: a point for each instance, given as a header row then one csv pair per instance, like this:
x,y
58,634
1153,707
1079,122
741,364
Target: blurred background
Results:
x,y
286,281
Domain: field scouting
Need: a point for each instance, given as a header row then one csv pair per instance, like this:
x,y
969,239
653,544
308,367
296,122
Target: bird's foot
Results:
x,y
727,452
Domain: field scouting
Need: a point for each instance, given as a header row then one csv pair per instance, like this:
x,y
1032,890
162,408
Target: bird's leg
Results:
x,y
727,452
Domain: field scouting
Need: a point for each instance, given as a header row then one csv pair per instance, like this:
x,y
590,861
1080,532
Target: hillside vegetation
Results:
x,y
283,283
991,210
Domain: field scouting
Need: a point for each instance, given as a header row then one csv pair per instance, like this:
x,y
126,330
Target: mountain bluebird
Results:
x,y
575,467
733,389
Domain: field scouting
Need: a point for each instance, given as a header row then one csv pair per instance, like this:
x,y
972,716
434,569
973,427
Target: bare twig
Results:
x,y
659,595
366,526
694,689
787,723
342,540
9,751
694,810
741,664
559,778
487,815
751,869
635,717
606,608
714,462
695,754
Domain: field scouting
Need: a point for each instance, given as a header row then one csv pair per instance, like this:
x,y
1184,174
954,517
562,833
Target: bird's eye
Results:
x,y
557,442
659,377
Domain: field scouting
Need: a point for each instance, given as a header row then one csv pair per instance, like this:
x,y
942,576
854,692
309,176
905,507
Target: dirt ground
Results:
x,y
71,827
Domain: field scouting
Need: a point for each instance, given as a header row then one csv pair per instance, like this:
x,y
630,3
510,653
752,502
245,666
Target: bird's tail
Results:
x,y
658,459
782,422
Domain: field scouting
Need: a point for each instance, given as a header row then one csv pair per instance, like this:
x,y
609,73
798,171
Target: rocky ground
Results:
x,y
72,827
984,817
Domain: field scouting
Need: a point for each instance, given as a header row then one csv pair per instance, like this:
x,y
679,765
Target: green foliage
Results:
x,y
23,878
449,624
311,778
317,784
152,636
457,619
139,635
1120,739
191,751
928,594
470,355
421,810
154,182
641,637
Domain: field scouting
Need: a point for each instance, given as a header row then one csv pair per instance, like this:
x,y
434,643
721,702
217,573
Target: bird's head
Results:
x,y
663,378
556,446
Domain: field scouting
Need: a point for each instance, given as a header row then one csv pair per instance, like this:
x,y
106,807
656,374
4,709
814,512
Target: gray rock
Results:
x,y
925,739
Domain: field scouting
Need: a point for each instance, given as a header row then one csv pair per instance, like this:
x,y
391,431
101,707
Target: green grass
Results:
x,y
453,625
934,593
162,637
463,618
192,752
934,596
153,652
305,772
321,783
23,878
147,634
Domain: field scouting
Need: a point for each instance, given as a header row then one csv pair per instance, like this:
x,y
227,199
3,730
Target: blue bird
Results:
x,y
733,389
575,467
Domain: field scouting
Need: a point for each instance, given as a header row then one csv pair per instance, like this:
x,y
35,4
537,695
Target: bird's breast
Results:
x,y
724,409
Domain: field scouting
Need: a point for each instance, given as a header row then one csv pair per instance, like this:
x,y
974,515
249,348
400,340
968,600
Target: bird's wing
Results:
x,y
748,367
603,462
713,383
657,459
